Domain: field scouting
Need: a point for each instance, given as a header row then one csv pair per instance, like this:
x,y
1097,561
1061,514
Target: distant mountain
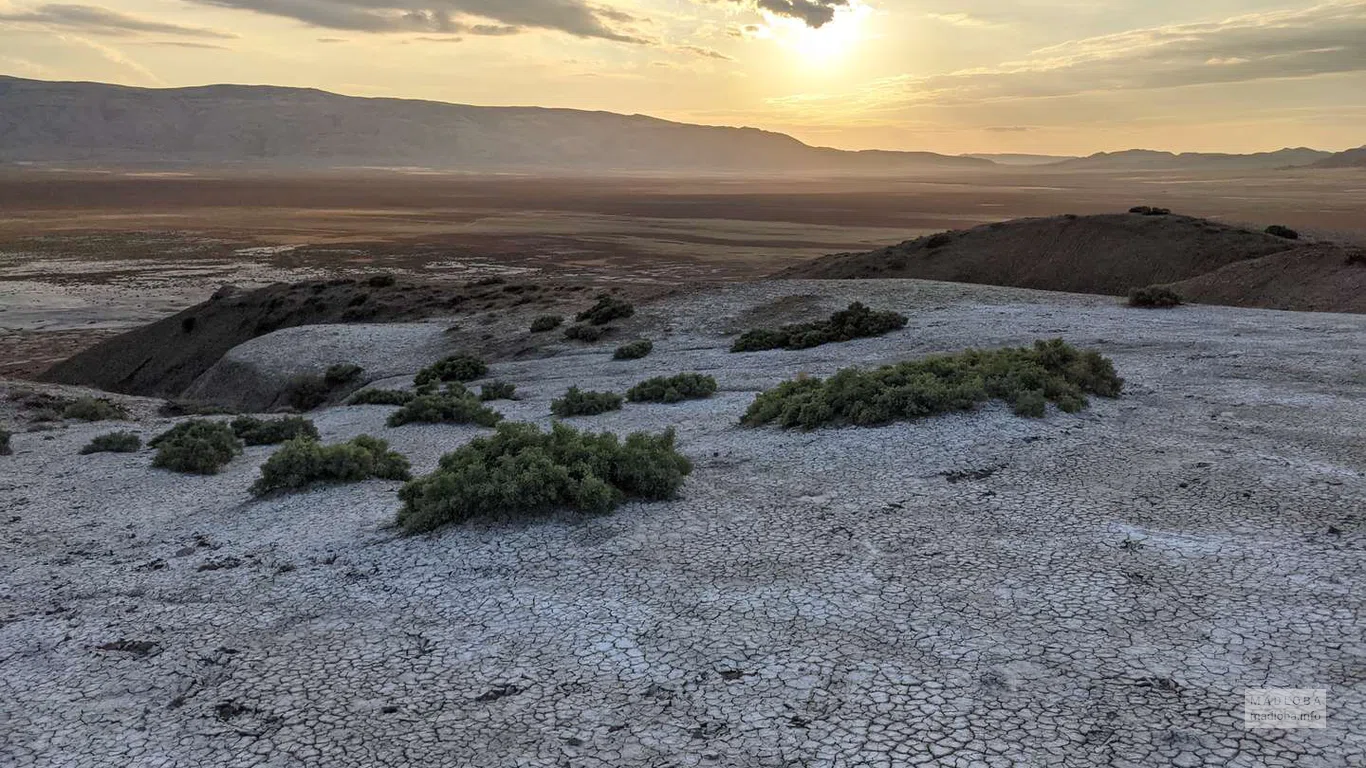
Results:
x,y
1150,160
265,126
1017,159
1352,158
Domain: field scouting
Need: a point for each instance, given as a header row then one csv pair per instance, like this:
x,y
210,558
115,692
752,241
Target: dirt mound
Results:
x,y
162,359
1112,254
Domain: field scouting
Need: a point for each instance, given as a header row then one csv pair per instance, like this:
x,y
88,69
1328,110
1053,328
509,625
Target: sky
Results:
x,y
1010,76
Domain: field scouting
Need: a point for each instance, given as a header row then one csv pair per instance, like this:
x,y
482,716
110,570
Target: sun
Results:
x,y
826,45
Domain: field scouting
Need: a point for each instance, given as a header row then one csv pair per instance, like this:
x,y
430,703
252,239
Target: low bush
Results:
x,y
546,323
254,431
113,442
523,472
459,368
193,408
92,409
304,462
855,322
672,389
306,392
497,390
1285,232
1148,210
381,397
454,405
939,241
196,447
607,309
5,449
1026,378
381,281
341,374
1154,297
585,332
577,402
634,350
1356,257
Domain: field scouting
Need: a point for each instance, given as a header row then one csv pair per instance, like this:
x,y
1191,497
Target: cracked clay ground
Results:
x,y
973,590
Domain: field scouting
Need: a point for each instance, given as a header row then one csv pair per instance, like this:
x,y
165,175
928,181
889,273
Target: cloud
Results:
x,y
812,13
184,44
963,20
113,56
1009,128
574,17
101,21
1324,39
705,53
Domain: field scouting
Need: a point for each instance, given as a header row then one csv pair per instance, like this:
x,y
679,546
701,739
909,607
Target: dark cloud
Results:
x,y
446,17
704,52
813,13
101,21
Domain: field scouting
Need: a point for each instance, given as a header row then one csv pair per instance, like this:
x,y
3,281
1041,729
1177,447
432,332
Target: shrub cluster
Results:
x,y
1285,232
546,323
607,309
672,389
193,408
634,350
585,332
855,322
303,461
381,397
521,472
5,449
1025,377
341,374
92,409
1356,257
939,241
459,368
497,390
307,391
1154,297
576,402
254,431
1148,210
197,446
113,442
453,405
381,281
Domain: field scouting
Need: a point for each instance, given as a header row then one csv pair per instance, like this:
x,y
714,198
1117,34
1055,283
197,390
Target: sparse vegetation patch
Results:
x,y
546,323
634,350
254,431
453,405
607,309
1026,378
855,322
5,449
1154,297
197,447
94,409
1281,231
341,374
577,402
585,332
522,472
113,442
304,462
1148,210
672,389
459,368
381,397
497,390
307,391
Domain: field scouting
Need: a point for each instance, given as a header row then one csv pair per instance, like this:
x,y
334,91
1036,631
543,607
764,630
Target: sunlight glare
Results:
x,y
825,46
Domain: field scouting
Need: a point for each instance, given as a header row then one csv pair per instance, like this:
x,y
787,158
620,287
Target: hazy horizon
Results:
x,y
1048,77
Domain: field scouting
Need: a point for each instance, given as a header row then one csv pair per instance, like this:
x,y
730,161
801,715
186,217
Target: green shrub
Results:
x,y
522,472
1285,232
1026,378
381,281
855,322
454,405
497,390
460,368
607,309
576,402
113,442
939,241
303,461
381,397
253,431
585,332
546,323
92,409
1148,210
634,350
193,408
1154,296
306,392
5,449
196,446
341,374
672,389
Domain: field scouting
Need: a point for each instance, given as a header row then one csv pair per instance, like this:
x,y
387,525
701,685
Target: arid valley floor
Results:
x,y
973,589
